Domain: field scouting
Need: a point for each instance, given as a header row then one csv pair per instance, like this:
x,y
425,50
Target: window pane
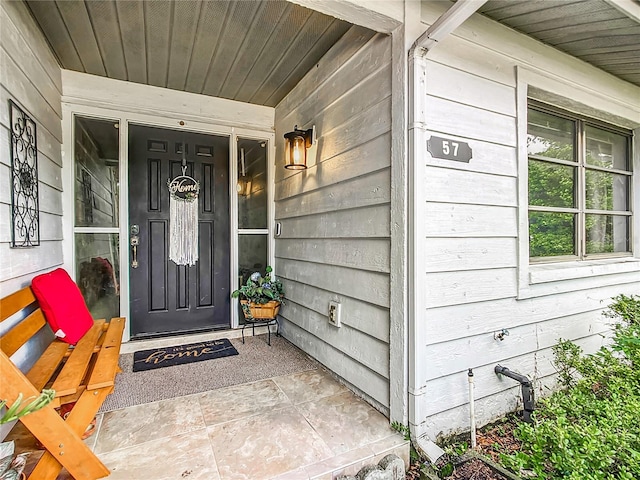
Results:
x,y
252,183
98,272
606,149
607,233
550,136
551,185
551,234
607,191
96,173
252,257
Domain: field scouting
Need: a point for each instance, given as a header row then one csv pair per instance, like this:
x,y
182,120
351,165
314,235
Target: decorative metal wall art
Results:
x,y
25,211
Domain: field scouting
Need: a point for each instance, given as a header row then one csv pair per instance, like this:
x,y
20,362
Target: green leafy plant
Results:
x,y
11,465
567,361
18,410
261,289
589,431
402,429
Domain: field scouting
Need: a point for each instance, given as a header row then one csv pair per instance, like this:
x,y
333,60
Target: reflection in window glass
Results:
x,y
579,191
98,272
550,136
607,233
252,257
551,234
551,185
606,149
96,173
252,184
606,191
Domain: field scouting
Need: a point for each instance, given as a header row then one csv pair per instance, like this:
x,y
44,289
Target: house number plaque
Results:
x,y
449,149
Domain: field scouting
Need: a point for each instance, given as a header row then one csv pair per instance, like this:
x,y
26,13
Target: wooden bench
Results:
x,y
84,374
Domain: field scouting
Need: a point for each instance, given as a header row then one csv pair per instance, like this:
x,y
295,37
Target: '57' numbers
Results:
x,y
448,147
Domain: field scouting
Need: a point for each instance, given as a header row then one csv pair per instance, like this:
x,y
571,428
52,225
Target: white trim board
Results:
x,y
91,90
383,16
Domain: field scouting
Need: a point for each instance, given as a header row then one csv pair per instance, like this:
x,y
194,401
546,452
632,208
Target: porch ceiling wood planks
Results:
x,y
599,32
249,51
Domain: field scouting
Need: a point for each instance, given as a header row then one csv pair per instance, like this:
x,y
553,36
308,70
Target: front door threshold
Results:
x,y
178,333
144,343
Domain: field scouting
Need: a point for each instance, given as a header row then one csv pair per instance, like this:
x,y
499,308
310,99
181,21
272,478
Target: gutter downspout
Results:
x,y
417,127
445,24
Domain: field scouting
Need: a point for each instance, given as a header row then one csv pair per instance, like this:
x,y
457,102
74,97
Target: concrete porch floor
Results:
x,y
300,426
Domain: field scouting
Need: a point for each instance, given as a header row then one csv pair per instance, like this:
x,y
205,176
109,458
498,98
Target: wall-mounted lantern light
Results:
x,y
244,180
295,147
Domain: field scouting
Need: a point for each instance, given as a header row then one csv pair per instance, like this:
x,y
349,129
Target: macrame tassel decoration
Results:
x,y
183,219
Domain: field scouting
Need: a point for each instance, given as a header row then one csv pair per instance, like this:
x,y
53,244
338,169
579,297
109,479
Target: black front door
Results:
x,y
167,298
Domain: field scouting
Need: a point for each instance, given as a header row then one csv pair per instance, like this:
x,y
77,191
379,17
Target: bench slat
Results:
x,y
77,364
88,405
106,366
22,332
15,302
47,364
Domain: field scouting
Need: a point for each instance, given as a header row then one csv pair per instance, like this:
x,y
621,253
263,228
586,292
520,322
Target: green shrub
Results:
x,y
590,430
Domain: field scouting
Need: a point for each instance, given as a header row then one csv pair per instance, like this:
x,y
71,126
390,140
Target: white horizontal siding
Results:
x,y
455,254
469,286
363,222
364,285
462,87
18,262
464,220
371,189
496,190
335,216
30,76
369,319
471,122
364,349
364,254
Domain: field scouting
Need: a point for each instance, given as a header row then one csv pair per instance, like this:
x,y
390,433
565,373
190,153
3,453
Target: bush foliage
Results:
x,y
591,429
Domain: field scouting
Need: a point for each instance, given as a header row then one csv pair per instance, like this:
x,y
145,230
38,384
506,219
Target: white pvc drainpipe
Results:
x,y
472,410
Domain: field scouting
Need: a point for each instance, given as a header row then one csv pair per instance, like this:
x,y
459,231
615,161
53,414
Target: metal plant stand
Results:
x,y
261,322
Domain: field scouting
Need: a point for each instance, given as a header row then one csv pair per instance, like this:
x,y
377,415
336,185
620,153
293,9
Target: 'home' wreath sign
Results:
x,y
183,218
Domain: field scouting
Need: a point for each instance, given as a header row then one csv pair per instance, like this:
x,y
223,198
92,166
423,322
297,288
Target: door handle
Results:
x,y
135,241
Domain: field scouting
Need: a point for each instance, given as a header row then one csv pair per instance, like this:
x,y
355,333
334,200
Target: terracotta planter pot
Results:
x,y
260,311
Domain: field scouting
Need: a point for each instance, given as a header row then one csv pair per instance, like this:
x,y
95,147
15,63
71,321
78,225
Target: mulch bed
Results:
x,y
498,438
475,470
492,440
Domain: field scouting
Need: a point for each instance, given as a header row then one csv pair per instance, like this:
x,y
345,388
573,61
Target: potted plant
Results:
x,y
261,296
11,465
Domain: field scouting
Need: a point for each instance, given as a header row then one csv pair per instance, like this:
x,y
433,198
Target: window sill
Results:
x,y
554,272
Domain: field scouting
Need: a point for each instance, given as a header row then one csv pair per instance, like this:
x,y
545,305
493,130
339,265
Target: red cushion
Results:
x,y
63,305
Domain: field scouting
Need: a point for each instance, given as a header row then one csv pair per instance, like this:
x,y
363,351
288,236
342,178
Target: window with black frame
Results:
x,y
580,180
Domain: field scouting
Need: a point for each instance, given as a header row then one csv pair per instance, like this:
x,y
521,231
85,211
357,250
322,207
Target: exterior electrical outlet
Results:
x,y
334,314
